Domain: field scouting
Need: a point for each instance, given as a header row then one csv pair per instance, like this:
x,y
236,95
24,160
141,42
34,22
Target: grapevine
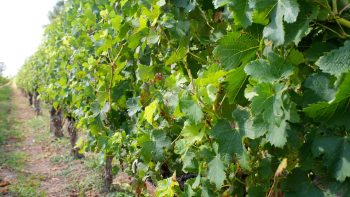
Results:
x,y
205,98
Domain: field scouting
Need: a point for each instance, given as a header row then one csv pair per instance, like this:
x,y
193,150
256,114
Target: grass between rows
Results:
x,y
11,158
14,159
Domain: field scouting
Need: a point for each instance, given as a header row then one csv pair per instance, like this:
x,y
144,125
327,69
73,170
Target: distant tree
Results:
x,y
56,10
2,68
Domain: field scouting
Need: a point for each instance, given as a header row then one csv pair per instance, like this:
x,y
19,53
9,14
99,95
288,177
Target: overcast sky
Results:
x,y
21,29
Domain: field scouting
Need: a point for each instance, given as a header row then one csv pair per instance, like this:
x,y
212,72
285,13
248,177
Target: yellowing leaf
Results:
x,y
150,110
281,167
167,187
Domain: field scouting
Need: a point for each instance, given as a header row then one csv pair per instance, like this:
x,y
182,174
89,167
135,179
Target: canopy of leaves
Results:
x,y
218,92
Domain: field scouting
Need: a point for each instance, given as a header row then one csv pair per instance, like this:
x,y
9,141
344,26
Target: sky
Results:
x,y
21,30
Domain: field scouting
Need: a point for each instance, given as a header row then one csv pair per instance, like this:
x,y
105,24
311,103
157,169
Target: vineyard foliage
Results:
x,y
250,97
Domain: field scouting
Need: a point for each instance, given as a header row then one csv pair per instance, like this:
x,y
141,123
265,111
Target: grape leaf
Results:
x,y
190,163
316,50
192,133
336,61
235,49
168,187
284,10
301,27
299,184
256,191
245,123
119,90
176,56
229,140
191,109
116,22
133,105
295,57
161,142
144,73
146,151
235,84
220,3
216,172
317,88
336,155
337,111
206,189
272,110
335,188
269,70
150,110
242,13
261,10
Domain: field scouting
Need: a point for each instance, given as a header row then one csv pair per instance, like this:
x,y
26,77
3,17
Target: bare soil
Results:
x,y
41,149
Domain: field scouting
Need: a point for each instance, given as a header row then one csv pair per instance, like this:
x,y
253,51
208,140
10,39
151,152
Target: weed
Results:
x,y
5,93
61,159
13,160
26,185
93,163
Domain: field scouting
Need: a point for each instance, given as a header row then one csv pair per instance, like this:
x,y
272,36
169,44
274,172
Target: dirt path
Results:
x,y
47,160
37,152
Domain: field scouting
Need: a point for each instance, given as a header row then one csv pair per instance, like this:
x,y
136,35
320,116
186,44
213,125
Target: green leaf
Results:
x,y
284,10
146,151
299,184
269,70
161,142
176,56
337,61
317,49
245,123
256,191
295,57
192,133
335,188
190,163
206,189
133,105
242,13
235,84
181,147
261,10
212,92
150,110
191,109
301,27
216,172
337,111
144,73
318,88
188,191
336,155
187,5
272,110
229,140
235,49
220,3
134,40
116,22
119,90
